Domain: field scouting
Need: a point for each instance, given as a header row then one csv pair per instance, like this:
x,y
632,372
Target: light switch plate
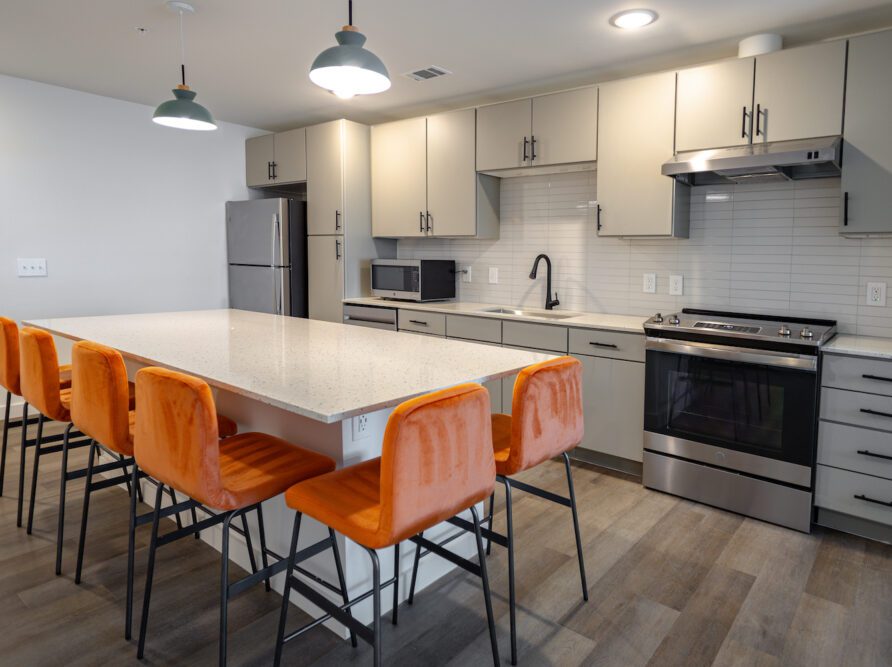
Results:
x,y
493,275
676,285
466,273
31,267
876,294
650,283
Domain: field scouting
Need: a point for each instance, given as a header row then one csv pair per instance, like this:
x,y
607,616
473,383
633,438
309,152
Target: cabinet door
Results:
x,y
799,92
325,277
613,403
399,178
867,154
259,153
291,156
714,105
565,127
501,130
636,125
451,177
325,178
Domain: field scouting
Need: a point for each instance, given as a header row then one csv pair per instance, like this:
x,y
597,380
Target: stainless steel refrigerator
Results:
x,y
267,253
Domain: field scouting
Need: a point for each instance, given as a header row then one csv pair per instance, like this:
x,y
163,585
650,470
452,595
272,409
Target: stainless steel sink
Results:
x,y
544,315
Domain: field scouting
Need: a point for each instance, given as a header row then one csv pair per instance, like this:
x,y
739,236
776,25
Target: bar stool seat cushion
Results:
x,y
226,428
501,442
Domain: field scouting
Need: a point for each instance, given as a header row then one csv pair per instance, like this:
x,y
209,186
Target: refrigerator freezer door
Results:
x,y
260,288
257,232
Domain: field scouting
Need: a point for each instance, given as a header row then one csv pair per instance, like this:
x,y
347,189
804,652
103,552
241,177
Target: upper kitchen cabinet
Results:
x,y
714,105
552,129
636,127
276,159
867,147
799,92
424,181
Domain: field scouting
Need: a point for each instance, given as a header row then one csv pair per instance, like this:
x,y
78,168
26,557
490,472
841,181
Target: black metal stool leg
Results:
x,y
512,596
34,469
249,544
63,485
264,559
224,587
5,439
22,457
150,572
283,615
88,485
173,501
131,549
492,504
396,582
342,581
376,606
415,571
487,596
129,486
576,527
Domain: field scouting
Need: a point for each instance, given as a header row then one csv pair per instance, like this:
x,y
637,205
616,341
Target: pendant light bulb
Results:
x,y
183,112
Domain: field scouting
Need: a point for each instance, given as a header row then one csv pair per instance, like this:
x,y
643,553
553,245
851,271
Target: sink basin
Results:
x,y
544,315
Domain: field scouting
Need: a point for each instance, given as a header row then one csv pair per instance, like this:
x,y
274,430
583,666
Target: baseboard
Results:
x,y
607,461
854,525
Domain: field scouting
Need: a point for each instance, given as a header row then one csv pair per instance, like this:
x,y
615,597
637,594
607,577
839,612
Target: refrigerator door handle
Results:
x,y
277,242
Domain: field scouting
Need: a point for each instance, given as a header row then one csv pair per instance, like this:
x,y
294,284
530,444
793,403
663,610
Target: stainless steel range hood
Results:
x,y
758,163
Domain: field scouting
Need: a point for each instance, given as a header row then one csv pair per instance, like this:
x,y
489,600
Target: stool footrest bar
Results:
x,y
332,610
498,538
542,493
455,559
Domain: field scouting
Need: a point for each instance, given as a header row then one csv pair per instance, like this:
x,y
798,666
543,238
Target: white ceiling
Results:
x,y
248,59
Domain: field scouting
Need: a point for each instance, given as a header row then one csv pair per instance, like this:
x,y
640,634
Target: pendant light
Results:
x,y
183,111
348,69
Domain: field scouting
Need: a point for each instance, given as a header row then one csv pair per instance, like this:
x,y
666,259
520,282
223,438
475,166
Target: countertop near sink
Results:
x,y
860,346
602,321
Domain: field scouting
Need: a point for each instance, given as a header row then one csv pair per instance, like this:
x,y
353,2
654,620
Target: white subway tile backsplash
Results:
x,y
770,248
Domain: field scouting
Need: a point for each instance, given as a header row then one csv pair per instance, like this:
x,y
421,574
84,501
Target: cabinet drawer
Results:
x,y
613,344
535,336
870,375
421,322
474,328
856,449
837,489
857,408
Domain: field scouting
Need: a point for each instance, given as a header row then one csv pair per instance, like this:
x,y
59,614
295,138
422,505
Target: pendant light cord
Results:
x,y
182,50
349,12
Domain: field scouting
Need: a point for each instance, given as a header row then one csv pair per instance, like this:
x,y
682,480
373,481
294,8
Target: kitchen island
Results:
x,y
325,386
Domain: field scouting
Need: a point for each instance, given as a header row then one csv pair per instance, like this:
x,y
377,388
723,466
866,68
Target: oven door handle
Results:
x,y
731,353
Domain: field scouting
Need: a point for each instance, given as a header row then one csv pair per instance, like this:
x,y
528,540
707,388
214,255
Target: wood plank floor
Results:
x,y
671,583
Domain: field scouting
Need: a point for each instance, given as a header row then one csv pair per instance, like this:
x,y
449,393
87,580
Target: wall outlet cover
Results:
x,y
360,427
493,275
31,267
876,294
466,273
649,285
676,285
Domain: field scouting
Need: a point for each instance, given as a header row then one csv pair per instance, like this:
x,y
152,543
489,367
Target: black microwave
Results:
x,y
413,279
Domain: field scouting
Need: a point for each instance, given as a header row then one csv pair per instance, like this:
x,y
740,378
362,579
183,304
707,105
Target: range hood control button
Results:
x,y
674,320
784,330
658,318
806,333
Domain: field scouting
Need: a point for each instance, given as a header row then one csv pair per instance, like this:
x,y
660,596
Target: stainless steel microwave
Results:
x,y
413,279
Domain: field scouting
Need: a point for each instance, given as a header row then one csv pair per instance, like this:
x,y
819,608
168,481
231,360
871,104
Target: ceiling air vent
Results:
x,y
431,72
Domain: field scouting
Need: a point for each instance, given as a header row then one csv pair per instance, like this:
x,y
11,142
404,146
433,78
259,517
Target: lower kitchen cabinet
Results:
x,y
325,268
613,404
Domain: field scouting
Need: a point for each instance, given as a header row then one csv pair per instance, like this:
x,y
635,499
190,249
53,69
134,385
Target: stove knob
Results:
x,y
806,333
658,318
674,320
784,330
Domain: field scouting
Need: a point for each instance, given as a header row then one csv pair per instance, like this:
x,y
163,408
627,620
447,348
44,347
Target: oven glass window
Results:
x,y
395,278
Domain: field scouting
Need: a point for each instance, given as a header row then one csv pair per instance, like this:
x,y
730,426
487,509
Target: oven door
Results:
x,y
749,410
397,279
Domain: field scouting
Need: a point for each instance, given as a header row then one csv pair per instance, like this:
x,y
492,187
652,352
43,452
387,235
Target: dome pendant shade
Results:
x,y
184,112
349,69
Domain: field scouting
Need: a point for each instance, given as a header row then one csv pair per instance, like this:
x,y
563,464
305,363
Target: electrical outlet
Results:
x,y
676,285
466,274
493,275
650,283
31,267
360,427
876,294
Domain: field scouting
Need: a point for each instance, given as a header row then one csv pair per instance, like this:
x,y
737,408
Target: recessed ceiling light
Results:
x,y
631,19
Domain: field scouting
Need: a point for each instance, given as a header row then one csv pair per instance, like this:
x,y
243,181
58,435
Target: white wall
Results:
x,y
128,214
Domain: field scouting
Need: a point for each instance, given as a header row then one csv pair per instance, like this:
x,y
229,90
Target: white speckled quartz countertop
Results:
x,y
860,346
321,370
603,321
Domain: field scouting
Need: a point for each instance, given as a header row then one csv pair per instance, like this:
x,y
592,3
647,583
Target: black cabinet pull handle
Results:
x,y
526,143
532,147
743,124
424,324
610,345
598,213
868,411
866,452
868,376
275,170
337,249
758,119
421,221
430,222
269,171
337,219
861,496
845,209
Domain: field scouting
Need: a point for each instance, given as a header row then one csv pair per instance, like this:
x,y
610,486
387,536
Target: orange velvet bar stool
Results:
x,y
177,443
436,461
546,422
10,381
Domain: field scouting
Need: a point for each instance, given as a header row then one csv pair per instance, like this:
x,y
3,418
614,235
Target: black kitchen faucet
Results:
x,y
549,302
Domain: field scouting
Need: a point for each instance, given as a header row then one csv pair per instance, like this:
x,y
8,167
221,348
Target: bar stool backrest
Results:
x,y
437,459
546,412
9,356
39,368
100,396
176,439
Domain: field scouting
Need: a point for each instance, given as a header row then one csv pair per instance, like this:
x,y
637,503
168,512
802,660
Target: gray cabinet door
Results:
x,y
325,269
565,127
613,403
291,156
799,92
451,177
259,154
501,130
325,178
867,150
399,178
